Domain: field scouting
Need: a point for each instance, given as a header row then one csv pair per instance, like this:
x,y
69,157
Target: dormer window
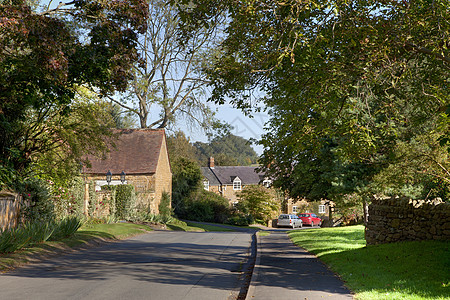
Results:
x,y
237,184
267,183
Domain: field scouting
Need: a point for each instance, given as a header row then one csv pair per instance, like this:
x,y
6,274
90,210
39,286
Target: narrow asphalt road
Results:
x,y
158,265
285,271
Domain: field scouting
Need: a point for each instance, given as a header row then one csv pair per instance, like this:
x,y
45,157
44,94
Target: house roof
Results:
x,y
226,175
208,174
137,152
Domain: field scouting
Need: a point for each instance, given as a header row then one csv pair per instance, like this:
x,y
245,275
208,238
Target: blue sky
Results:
x,y
249,128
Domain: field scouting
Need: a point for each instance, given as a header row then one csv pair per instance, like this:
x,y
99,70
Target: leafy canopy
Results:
x,y
45,56
354,77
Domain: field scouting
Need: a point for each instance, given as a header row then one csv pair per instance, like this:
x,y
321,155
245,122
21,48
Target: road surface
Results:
x,y
158,265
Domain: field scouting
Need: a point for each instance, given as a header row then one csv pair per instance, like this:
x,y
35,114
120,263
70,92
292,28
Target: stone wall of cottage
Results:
x,y
305,206
9,210
400,219
229,193
163,177
144,185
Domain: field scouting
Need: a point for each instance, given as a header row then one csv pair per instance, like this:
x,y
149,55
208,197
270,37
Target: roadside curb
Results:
x,y
255,274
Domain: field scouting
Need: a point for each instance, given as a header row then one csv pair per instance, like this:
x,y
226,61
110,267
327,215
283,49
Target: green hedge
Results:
x,y
125,201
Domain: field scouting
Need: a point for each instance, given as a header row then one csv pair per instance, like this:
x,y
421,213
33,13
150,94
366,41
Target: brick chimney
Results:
x,y
211,162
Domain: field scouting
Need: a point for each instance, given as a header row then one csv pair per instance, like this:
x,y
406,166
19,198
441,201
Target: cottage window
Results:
x,y
321,209
294,209
206,185
267,183
237,184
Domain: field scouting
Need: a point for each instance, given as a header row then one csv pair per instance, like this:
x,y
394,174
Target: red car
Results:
x,y
310,219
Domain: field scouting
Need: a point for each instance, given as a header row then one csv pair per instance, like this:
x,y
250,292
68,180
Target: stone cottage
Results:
x,y
228,181
140,158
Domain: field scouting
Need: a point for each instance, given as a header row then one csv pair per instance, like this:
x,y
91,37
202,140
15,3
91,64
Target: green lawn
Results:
x,y
406,270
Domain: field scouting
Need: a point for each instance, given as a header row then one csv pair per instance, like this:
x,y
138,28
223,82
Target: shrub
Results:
x,y
125,200
37,205
205,206
186,181
261,203
164,205
240,220
38,231
66,227
13,239
68,197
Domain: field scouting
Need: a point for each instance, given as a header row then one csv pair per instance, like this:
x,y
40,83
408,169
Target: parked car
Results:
x,y
310,219
289,220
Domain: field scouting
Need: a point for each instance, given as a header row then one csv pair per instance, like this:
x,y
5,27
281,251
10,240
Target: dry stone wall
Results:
x,y
400,219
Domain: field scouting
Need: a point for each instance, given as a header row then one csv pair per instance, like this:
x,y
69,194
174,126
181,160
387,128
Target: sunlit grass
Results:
x,y
206,227
406,270
115,230
263,233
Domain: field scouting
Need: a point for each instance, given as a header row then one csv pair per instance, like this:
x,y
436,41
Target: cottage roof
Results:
x,y
209,174
137,152
226,175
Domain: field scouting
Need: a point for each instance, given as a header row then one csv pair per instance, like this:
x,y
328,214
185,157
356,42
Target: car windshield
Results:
x,y
283,217
303,215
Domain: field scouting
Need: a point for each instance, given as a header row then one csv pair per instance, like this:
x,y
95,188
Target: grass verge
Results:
x,y
406,270
87,235
263,233
193,226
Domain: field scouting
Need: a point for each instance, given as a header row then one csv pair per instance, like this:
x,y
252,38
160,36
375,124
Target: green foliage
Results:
x,y
144,214
66,227
259,202
164,205
92,197
186,179
125,201
240,220
120,119
37,203
13,239
44,58
68,200
36,232
227,150
178,146
111,219
205,206
359,76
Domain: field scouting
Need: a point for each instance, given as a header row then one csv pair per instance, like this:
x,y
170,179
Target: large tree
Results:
x,y
169,83
46,55
366,74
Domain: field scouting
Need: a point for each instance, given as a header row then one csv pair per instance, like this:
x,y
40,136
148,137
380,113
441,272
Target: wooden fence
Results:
x,y
9,210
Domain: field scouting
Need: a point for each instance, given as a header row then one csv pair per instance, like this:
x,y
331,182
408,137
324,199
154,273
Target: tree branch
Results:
x,y
428,52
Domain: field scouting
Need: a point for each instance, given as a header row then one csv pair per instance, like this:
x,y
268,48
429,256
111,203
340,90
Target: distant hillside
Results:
x,y
229,150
